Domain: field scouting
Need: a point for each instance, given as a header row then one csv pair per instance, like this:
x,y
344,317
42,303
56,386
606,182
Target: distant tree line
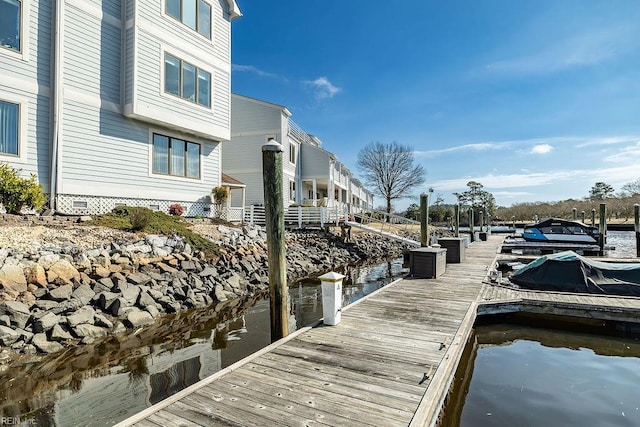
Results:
x,y
619,205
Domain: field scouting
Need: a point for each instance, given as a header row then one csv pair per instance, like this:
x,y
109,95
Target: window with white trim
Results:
x,y
292,190
187,81
10,24
195,14
9,128
175,157
292,153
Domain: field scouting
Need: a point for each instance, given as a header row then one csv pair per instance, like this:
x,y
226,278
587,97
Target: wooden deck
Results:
x,y
390,362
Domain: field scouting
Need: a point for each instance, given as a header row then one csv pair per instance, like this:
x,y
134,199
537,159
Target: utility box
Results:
x,y
483,236
331,297
455,248
428,263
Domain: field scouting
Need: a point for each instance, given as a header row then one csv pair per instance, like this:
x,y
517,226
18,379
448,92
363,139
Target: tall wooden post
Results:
x,y
276,254
513,223
582,216
424,220
471,223
603,227
636,226
481,220
593,217
575,214
456,219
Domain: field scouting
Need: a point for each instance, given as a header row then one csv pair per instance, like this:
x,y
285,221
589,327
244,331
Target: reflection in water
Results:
x,y
517,375
105,382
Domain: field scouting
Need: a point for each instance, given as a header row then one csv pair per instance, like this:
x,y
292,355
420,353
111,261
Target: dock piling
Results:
x,y
276,253
603,227
456,219
424,220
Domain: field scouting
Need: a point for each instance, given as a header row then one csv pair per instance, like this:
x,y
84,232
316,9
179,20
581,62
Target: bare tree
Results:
x,y
632,187
389,168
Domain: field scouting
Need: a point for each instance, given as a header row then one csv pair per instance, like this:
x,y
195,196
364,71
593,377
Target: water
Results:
x,y
624,243
112,379
523,376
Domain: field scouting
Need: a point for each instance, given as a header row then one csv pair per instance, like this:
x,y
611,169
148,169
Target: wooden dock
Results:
x,y
390,362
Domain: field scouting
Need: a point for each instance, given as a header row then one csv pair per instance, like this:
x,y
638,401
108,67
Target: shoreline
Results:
x,y
60,289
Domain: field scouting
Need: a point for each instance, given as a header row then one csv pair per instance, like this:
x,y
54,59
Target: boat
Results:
x,y
557,230
569,272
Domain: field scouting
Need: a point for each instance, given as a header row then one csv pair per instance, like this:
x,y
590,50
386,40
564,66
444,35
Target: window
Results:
x,y
292,153
10,19
9,128
292,190
175,156
186,81
195,14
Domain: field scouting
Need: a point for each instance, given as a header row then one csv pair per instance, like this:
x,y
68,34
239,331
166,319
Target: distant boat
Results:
x,y
556,230
570,272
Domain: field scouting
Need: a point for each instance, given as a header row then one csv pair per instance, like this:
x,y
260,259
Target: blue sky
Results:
x,y
536,100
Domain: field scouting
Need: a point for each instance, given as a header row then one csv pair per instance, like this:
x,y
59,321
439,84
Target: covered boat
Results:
x,y
556,230
569,272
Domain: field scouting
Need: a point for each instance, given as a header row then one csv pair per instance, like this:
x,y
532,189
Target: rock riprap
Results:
x,y
59,290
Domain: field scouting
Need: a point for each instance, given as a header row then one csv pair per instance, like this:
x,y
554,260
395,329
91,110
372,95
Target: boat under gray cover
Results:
x,y
569,272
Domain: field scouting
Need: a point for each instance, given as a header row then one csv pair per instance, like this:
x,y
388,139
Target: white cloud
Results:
x,y
626,154
254,70
481,146
590,48
541,149
322,87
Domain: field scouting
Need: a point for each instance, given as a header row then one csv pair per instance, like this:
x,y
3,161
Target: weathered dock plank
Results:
x,y
389,362
371,369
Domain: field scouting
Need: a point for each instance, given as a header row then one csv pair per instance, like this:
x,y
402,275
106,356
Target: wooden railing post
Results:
x,y
471,223
276,253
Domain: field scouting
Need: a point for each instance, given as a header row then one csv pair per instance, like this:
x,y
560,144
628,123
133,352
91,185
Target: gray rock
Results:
x,y
84,293
82,316
92,331
48,260
59,334
105,299
208,271
61,293
131,294
138,279
137,318
67,306
220,293
18,313
153,311
8,336
44,345
146,300
102,320
5,320
44,322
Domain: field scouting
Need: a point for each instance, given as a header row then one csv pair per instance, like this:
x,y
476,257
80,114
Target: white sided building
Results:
x,y
114,102
312,176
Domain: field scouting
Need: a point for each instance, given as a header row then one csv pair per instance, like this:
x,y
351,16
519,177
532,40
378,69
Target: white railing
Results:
x,y
387,222
232,214
297,216
298,133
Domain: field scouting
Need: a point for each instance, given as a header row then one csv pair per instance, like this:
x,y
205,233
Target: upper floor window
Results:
x,y
10,18
174,156
187,81
195,14
292,153
9,128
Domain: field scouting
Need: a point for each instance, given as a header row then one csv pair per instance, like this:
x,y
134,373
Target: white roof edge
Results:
x,y
282,108
234,10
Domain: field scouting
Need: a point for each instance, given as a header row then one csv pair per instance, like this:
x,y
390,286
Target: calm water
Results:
x,y
523,376
103,383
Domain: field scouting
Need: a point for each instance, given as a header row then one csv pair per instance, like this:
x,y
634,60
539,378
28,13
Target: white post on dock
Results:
x,y
636,227
331,297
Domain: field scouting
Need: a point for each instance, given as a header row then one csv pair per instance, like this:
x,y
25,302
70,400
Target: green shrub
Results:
x,y
17,192
140,218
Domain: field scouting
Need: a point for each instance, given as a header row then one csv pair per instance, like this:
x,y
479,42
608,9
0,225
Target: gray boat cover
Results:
x,y
569,272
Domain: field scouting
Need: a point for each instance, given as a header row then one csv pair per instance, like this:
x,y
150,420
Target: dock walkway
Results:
x,y
390,362
372,369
